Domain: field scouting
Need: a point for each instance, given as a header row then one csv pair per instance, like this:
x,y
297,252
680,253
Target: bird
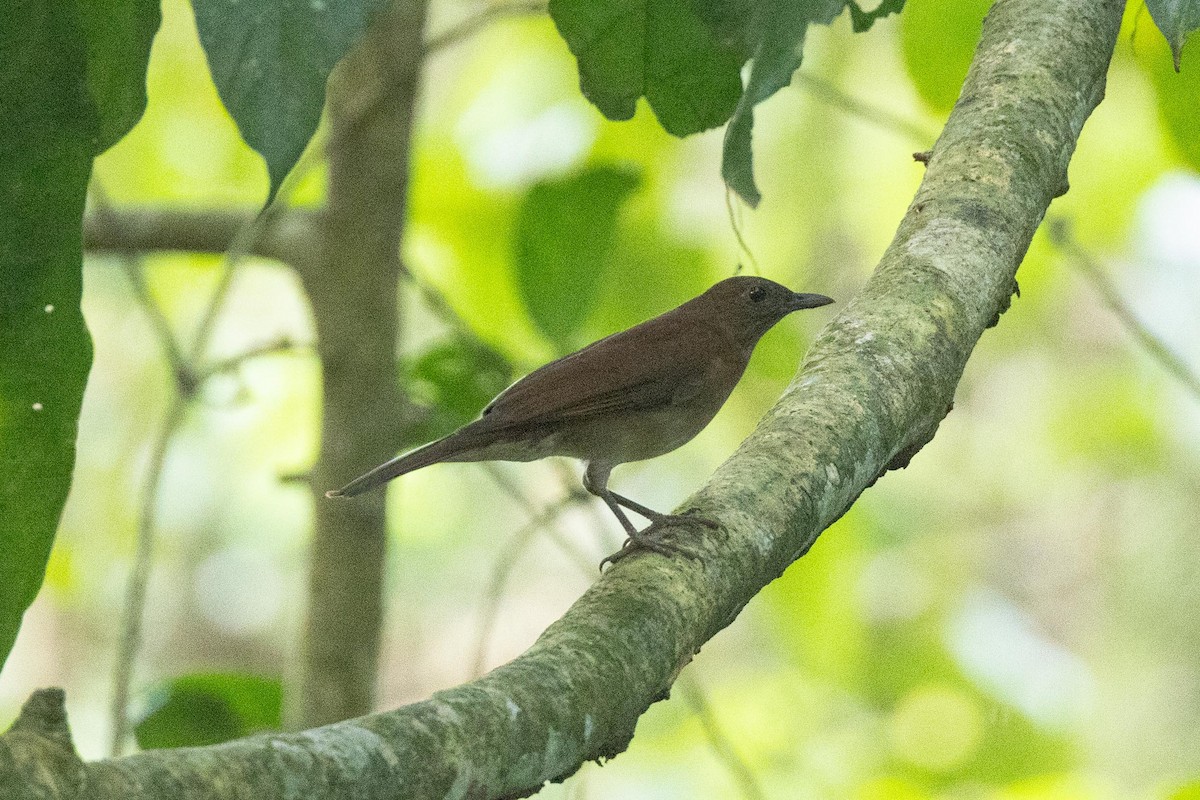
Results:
x,y
631,396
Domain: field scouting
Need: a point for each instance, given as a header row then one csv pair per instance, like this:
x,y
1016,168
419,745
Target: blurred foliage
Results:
x,y
563,244
1013,617
1189,792
454,379
938,39
204,709
1178,93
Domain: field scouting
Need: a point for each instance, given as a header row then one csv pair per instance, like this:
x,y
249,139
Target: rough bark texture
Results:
x,y
874,387
354,296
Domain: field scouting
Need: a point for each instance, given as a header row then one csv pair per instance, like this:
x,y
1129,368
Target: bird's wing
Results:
x,y
645,367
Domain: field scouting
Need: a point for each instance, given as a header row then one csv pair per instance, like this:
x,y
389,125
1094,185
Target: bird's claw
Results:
x,y
690,516
632,545
647,539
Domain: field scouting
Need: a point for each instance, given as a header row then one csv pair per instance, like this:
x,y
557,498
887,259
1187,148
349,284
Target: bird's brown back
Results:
x,y
641,368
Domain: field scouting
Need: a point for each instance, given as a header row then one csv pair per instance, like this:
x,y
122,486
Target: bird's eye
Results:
x,y
757,294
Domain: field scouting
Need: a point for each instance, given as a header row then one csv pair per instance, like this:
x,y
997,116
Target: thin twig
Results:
x,y
132,267
734,211
501,570
1061,235
746,780
130,641
135,595
441,308
472,25
868,112
239,248
284,346
186,384
580,559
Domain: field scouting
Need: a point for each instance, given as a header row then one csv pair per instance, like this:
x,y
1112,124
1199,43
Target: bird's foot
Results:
x,y
648,539
689,516
659,520
635,543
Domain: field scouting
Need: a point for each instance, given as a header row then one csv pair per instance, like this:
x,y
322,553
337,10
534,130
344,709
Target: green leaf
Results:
x,y
455,380
73,83
1177,95
662,50
270,59
119,34
777,27
1176,19
863,20
562,243
685,58
210,708
51,130
938,39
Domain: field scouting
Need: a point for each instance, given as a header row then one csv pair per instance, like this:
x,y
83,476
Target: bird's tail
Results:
x,y
445,449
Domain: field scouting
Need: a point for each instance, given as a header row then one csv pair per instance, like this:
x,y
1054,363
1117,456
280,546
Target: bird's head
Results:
x,y
751,306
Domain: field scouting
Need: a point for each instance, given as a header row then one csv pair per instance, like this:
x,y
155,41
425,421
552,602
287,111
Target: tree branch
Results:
x,y
1082,260
874,386
289,237
472,25
879,116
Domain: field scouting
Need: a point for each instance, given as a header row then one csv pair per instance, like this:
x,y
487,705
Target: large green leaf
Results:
x,y
270,60
938,38
210,708
685,57
71,82
778,29
562,243
1177,19
662,50
46,145
119,34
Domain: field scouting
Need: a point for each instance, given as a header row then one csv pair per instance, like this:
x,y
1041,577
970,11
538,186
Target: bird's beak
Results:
x,y
800,300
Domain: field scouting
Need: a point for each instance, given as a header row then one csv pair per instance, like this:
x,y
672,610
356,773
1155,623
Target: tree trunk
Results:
x,y
353,290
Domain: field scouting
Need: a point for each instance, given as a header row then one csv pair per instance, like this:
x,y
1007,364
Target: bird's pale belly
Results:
x,y
630,437
613,439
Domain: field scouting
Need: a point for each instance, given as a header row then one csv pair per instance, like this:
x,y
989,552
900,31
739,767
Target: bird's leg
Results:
x,y
659,518
595,481
636,538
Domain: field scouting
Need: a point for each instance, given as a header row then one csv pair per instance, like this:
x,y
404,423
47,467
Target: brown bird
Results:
x,y
631,396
